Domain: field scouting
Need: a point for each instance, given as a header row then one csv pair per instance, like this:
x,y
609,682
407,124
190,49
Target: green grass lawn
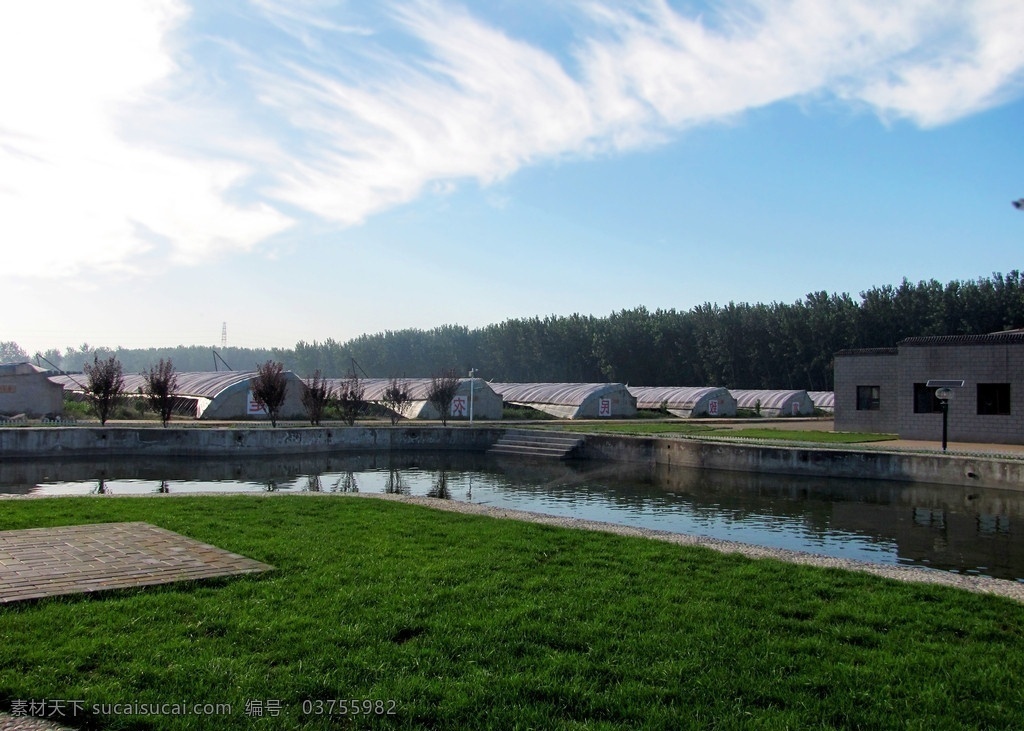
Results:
x,y
668,428
471,622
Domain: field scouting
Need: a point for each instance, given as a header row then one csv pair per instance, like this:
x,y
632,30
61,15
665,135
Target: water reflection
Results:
x,y
963,529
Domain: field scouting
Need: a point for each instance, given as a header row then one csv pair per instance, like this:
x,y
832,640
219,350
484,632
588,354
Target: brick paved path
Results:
x,y
42,562
27,723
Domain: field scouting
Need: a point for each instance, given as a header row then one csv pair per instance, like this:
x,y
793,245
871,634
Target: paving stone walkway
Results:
x,y
43,562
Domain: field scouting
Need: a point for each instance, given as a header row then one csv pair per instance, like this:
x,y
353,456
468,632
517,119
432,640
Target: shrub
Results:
x,y
442,390
397,400
105,385
316,396
159,389
269,387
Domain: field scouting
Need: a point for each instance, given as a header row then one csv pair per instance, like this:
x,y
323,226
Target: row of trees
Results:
x,y
737,345
740,345
105,387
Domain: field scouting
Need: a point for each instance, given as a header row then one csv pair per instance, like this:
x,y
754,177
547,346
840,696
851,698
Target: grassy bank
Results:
x,y
669,428
471,622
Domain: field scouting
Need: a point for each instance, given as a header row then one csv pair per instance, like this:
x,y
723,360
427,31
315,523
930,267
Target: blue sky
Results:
x,y
305,170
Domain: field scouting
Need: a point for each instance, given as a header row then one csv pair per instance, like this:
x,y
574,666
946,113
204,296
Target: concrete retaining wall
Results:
x,y
184,442
872,465
118,441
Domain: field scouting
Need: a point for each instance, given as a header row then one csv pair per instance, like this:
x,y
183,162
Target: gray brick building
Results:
x,y
884,389
25,389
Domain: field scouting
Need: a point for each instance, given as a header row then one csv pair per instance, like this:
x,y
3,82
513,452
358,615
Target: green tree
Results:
x,y
396,399
11,352
443,388
104,385
316,396
269,388
161,385
350,399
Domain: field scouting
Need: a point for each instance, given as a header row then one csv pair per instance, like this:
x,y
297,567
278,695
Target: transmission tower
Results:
x,y
224,335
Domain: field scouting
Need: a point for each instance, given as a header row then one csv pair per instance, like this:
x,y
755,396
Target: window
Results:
x,y
925,401
993,398
868,398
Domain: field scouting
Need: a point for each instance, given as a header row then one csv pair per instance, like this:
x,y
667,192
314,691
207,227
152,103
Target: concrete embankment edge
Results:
x,y
89,442
941,469
193,442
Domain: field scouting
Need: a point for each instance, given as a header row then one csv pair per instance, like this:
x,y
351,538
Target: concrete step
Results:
x,y
536,444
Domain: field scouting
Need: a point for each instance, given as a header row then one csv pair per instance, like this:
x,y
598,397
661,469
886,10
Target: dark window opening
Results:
x,y
869,398
925,401
993,399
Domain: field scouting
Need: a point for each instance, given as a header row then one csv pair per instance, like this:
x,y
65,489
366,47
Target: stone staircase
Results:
x,y
536,444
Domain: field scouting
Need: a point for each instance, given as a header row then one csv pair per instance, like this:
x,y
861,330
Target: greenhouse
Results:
x,y
774,403
571,400
685,401
211,395
486,404
823,400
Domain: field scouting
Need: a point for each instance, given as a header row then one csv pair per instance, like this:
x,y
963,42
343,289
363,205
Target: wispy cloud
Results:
x,y
123,146
76,196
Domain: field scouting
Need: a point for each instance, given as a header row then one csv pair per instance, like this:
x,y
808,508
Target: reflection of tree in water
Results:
x,y
313,483
440,488
347,483
165,486
394,484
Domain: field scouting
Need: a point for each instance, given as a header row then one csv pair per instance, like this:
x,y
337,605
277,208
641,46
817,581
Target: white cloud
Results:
x,y
975,63
477,103
123,146
75,197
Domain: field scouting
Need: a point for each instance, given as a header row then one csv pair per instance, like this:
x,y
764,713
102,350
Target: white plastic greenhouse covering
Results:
x,y
774,403
824,400
205,394
571,400
686,401
205,384
486,403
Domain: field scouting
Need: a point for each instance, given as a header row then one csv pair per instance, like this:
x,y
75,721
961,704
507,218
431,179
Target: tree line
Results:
x,y
737,345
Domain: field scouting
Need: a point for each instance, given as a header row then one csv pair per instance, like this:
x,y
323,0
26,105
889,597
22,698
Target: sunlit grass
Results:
x,y
688,428
471,622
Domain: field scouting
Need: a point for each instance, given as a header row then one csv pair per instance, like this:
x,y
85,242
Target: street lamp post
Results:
x,y
944,393
472,374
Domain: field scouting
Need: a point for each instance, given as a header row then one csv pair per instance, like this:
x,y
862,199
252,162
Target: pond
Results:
x,y
967,530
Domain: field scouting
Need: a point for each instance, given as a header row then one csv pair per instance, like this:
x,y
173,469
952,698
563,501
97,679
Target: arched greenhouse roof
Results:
x,y
200,384
824,400
562,394
374,388
653,397
781,403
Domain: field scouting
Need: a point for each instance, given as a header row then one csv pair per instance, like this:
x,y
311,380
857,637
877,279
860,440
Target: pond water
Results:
x,y
967,530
